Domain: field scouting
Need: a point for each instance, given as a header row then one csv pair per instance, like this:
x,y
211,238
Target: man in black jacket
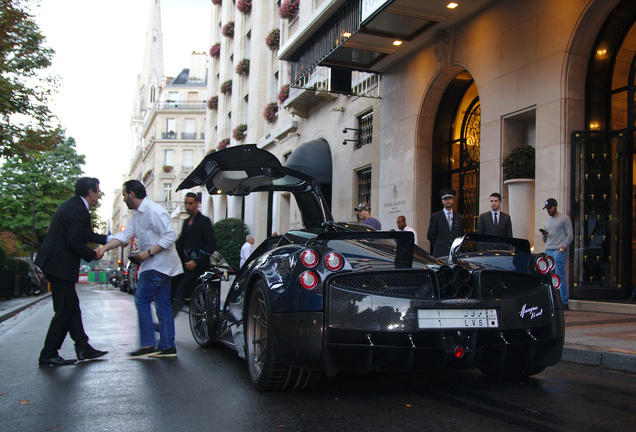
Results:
x,y
59,258
197,233
445,225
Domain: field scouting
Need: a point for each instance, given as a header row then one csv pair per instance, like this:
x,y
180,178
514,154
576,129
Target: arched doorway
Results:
x,y
456,148
603,158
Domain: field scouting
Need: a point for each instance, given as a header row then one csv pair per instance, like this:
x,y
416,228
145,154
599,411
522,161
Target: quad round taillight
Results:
x,y
333,261
308,279
550,262
556,281
309,258
543,265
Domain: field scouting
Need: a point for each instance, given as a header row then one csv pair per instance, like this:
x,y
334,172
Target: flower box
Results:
x,y
243,67
226,87
239,132
244,6
215,50
283,93
270,111
213,103
289,9
223,144
273,39
228,30
216,2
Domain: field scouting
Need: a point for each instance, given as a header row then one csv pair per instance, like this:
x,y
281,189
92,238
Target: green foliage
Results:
x,y
52,174
230,235
3,257
12,264
21,267
519,163
24,92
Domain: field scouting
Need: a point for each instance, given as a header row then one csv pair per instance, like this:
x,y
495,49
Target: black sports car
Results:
x,y
343,297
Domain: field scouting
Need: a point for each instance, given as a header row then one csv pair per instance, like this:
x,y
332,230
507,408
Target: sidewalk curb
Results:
x,y
8,314
616,361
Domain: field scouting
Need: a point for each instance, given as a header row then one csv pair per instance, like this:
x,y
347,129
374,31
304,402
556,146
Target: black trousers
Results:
x,y
186,285
67,318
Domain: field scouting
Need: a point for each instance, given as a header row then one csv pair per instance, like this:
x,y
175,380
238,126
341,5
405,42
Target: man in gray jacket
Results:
x,y
558,235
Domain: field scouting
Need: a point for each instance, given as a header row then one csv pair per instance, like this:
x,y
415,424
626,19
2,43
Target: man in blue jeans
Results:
x,y
558,235
159,262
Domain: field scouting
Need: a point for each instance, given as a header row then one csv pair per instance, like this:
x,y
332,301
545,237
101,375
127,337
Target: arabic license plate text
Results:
x,y
457,318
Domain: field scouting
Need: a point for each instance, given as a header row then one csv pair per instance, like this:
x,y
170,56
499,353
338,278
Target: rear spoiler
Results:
x,y
403,250
519,245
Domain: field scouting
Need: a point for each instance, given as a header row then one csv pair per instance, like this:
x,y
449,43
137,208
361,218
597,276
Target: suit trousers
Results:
x,y
67,318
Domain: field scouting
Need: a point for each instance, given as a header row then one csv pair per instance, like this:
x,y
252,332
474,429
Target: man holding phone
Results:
x,y
558,235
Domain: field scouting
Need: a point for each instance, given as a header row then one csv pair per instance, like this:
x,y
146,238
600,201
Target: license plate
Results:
x,y
457,318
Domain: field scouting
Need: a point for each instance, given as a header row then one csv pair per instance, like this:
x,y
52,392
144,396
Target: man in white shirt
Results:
x,y
401,224
159,262
246,249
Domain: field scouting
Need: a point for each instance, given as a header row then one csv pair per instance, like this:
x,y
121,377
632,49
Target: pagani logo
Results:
x,y
533,311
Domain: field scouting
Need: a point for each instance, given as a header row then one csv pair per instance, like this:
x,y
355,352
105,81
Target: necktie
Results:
x,y
496,223
450,221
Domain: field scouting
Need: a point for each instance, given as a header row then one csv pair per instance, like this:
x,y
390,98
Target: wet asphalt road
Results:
x,y
209,389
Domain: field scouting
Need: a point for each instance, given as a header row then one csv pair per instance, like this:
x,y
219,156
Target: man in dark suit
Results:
x,y
495,222
196,233
445,225
59,258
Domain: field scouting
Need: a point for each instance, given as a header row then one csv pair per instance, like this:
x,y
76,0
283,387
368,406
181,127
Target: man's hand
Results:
x,y
99,253
191,265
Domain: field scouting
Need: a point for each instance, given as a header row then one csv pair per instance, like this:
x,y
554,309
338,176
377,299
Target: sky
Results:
x,y
98,55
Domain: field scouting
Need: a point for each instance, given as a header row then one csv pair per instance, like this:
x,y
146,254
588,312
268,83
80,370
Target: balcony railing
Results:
x,y
188,135
180,105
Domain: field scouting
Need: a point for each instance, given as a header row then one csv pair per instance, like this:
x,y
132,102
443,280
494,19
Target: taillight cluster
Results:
x,y
309,258
546,264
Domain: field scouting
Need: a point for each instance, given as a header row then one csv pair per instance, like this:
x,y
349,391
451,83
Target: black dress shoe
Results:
x,y
89,353
55,361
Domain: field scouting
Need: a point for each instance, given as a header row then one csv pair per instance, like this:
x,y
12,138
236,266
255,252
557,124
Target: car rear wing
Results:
x,y
518,245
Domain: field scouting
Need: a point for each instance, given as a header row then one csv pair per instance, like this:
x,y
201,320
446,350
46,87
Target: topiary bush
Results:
x,y
230,235
3,257
519,163
21,267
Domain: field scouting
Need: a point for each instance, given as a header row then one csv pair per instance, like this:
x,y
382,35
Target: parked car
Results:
x,y
339,296
131,277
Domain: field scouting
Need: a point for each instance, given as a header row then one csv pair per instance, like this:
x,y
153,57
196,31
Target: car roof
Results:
x,y
241,170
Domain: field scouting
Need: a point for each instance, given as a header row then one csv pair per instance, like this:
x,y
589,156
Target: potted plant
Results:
x,y
215,50
244,6
518,170
243,67
213,103
223,144
270,111
166,168
226,87
273,39
228,30
239,132
289,9
283,93
216,2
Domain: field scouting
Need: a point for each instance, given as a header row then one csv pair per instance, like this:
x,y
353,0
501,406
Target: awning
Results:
x,y
312,158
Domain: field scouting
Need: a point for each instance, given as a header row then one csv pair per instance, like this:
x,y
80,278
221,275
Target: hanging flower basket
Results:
x,y
273,39
223,144
239,132
243,67
271,109
289,9
228,30
215,50
216,2
283,93
213,103
244,6
226,87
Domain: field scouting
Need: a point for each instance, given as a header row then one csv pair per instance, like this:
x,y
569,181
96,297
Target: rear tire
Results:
x,y
266,371
204,315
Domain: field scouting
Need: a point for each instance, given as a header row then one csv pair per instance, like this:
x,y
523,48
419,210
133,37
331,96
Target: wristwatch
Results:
x,y
150,253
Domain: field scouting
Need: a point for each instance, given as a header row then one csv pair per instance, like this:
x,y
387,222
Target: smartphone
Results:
x,y
544,232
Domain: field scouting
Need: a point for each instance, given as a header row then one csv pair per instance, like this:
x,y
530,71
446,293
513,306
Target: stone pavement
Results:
x,y
601,334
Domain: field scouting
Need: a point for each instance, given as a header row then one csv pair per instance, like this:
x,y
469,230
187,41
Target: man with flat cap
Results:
x,y
364,213
445,225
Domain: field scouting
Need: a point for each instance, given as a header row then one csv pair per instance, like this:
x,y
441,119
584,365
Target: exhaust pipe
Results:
x,y
451,290
465,290
462,274
446,274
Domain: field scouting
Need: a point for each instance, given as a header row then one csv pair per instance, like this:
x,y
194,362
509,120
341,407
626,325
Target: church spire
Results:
x,y
152,67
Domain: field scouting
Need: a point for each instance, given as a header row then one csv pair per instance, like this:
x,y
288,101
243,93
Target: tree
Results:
x,y
48,178
25,119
